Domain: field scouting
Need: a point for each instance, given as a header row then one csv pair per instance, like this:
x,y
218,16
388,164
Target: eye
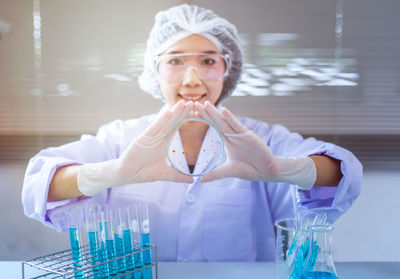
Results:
x,y
175,61
209,61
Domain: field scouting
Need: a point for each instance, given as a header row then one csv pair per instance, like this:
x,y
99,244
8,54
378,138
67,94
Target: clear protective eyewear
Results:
x,y
209,66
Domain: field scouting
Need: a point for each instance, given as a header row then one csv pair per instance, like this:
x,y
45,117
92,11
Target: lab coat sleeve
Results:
x,y
41,168
336,200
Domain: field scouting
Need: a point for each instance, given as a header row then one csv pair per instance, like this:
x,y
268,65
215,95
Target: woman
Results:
x,y
193,62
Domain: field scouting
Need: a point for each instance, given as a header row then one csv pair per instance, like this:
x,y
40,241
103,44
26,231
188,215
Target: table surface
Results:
x,y
242,270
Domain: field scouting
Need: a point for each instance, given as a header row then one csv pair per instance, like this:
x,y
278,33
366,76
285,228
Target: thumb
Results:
x,y
176,176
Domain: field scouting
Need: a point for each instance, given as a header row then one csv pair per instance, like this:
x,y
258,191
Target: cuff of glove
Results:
x,y
299,171
94,178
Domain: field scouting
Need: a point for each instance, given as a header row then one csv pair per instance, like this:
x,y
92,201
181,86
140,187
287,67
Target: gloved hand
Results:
x,y
248,157
143,161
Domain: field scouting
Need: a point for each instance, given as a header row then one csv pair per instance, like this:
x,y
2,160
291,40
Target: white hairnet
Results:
x,y
182,21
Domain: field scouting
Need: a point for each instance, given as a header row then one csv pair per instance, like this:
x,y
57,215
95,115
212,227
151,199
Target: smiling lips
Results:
x,y
192,97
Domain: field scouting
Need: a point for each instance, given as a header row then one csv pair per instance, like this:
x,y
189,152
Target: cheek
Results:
x,y
169,91
216,90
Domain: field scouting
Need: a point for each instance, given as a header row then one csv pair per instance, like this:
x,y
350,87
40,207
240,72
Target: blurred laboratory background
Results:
x,y
324,68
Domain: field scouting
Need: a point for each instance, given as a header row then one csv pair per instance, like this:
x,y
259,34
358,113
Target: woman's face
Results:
x,y
191,87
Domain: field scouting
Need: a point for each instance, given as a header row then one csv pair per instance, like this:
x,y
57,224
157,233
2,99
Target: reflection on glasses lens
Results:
x,y
209,67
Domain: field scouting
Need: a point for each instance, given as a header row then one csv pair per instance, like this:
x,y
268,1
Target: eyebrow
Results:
x,y
177,52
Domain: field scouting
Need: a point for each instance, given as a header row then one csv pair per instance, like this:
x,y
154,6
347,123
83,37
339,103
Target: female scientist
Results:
x,y
193,62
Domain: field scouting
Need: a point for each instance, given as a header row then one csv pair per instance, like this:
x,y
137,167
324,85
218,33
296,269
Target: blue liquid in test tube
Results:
x,y
119,253
121,217
117,226
138,263
147,273
134,226
146,244
101,243
145,239
127,246
102,257
93,252
112,265
91,222
76,250
318,275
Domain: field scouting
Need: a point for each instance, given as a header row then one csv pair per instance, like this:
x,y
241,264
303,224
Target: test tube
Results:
x,y
91,222
133,216
74,222
101,245
108,238
118,244
145,238
125,234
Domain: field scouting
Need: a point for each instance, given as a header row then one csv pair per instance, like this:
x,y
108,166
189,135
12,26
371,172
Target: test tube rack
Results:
x,y
61,265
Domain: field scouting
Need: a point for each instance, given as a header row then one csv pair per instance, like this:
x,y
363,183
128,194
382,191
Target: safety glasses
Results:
x,y
209,66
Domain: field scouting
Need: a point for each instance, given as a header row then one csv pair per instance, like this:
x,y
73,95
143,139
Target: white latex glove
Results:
x,y
143,161
248,157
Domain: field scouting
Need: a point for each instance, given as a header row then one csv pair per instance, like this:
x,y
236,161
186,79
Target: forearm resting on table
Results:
x,y
328,170
64,184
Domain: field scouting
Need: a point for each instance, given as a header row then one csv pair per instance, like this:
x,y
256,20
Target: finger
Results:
x,y
201,112
193,113
235,124
175,176
179,112
164,119
185,113
171,127
217,118
155,128
189,110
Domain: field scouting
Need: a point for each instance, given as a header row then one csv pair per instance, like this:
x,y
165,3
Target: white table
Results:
x,y
242,270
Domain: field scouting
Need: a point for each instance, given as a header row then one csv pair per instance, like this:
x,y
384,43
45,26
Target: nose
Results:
x,y
191,77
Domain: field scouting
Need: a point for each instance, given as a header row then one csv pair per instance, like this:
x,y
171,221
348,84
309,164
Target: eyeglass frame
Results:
x,y
225,56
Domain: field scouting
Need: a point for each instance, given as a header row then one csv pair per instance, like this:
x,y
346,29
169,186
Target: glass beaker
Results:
x,y
292,247
319,262
285,230
211,149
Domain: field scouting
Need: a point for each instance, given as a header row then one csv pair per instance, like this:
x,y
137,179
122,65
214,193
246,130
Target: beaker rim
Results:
x,y
293,228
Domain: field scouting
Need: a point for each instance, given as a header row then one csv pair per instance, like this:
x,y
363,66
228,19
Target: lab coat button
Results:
x,y
190,198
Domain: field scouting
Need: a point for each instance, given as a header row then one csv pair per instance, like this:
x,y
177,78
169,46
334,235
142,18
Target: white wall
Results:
x,y
370,230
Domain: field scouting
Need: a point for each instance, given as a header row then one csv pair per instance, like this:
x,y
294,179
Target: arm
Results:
x,y
328,170
64,184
